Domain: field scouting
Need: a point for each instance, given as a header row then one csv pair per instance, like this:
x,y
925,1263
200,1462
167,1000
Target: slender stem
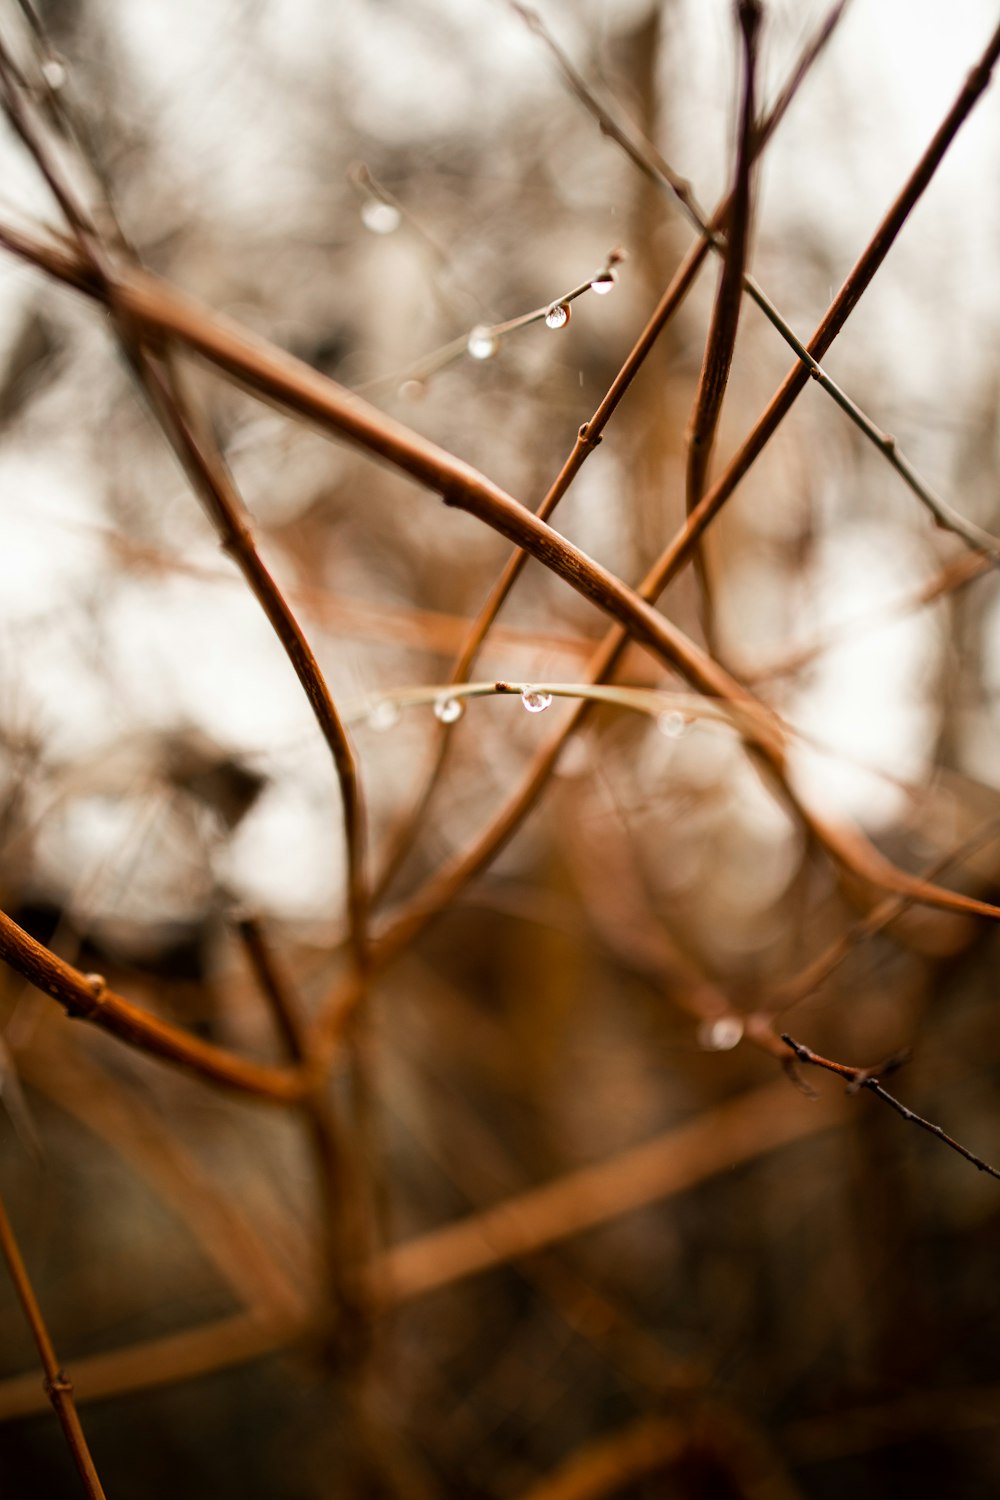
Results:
x,y
57,1384
645,156
868,1078
213,482
721,342
681,549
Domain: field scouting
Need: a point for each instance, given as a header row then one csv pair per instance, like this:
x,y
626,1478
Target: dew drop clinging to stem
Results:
x,y
557,316
671,723
721,1034
534,701
604,283
448,710
482,342
380,217
383,715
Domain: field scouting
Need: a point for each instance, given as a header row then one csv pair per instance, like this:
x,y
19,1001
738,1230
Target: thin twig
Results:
x,y
681,549
211,479
720,344
868,1078
58,1386
649,161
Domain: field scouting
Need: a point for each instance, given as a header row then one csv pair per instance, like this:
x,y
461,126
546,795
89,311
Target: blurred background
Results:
x,y
804,1302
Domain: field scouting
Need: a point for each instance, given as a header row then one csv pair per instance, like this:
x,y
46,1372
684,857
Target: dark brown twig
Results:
x,y
721,342
58,1386
868,1078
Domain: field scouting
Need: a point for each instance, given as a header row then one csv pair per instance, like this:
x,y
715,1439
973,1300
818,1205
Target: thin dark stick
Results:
x,y
58,1386
721,342
681,549
868,1078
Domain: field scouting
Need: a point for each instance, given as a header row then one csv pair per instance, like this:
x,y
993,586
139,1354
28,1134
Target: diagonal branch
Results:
x,y
868,1078
58,1387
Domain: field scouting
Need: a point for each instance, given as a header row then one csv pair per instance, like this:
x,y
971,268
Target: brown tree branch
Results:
x,y
86,997
58,1386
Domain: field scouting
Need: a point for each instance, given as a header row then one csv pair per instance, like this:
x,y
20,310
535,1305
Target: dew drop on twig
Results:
x,y
534,701
54,73
604,283
721,1034
557,316
671,723
482,342
383,715
380,217
448,710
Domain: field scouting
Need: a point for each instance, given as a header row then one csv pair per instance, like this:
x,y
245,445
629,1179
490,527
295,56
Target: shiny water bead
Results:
x,y
671,723
54,73
482,342
604,283
534,701
383,715
380,217
557,315
721,1034
448,710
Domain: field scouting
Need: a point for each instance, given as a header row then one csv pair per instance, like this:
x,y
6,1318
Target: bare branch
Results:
x,y
868,1078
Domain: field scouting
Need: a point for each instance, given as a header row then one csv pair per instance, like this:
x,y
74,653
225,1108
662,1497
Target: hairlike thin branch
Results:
x,y
868,1078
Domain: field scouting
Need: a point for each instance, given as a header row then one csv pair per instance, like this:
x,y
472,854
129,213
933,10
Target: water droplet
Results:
x,y
672,723
557,316
534,701
482,342
383,715
721,1034
448,710
413,390
380,217
604,283
54,73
